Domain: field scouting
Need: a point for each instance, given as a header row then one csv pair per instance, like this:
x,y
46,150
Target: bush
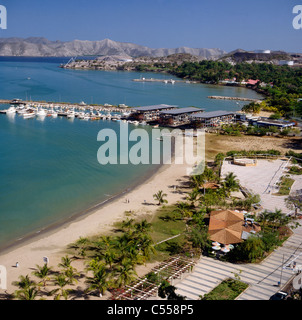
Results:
x,y
227,290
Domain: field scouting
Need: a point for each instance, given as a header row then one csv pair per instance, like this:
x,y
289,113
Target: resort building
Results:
x,y
150,113
266,122
178,116
212,119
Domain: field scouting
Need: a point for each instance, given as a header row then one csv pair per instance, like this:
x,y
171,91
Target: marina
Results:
x,y
80,111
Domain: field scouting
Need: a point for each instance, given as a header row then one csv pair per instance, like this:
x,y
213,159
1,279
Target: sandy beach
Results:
x,y
53,244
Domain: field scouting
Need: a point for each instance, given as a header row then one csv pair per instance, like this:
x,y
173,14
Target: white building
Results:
x,y
286,63
262,51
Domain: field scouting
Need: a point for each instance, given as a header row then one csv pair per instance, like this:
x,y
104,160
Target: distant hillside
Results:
x,y
239,55
126,62
41,47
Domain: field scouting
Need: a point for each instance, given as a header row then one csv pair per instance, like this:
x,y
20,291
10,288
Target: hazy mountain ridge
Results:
x,y
40,47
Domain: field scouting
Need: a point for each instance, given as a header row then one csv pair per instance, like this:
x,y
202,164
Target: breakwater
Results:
x,y
234,98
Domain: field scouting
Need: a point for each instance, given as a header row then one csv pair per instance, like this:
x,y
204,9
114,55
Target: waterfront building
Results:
x,y
212,119
178,116
150,113
266,122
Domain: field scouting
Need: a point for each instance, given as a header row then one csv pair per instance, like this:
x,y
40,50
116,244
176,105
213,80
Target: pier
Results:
x,y
233,98
65,105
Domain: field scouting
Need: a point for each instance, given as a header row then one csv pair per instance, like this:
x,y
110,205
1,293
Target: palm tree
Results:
x,y
193,197
125,272
146,247
68,270
231,183
99,280
109,257
159,196
196,181
61,281
71,275
65,262
143,226
263,218
127,224
29,293
24,283
184,209
27,288
42,273
81,246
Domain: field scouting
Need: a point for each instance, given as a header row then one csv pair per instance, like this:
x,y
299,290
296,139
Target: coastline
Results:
x,y
76,216
53,242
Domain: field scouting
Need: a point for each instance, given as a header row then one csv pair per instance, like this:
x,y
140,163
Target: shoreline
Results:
x,y
53,242
76,216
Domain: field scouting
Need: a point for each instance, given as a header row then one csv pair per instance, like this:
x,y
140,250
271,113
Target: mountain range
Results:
x,y
42,47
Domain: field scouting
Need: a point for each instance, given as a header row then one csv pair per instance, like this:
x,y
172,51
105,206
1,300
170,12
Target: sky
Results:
x,y
224,24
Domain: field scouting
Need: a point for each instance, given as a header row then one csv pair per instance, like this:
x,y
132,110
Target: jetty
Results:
x,y
233,98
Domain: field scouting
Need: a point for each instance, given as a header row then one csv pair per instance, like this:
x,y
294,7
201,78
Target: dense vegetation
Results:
x,y
182,228
282,85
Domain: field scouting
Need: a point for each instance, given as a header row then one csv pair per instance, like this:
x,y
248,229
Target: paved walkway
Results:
x,y
262,180
262,278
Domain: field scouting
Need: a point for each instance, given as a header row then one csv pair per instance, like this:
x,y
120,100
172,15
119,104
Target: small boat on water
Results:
x,y
71,114
11,110
41,113
29,114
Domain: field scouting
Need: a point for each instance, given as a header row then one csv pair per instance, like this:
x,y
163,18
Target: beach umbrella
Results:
x,y
215,243
216,248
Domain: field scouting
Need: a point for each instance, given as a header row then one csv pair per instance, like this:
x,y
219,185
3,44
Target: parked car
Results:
x,y
280,295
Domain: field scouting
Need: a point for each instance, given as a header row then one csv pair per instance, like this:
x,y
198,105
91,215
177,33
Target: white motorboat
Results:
x,y
29,114
41,113
70,114
11,110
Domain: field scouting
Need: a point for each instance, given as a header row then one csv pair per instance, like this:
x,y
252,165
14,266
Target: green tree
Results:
x,y
125,273
166,290
43,273
160,197
61,281
27,294
294,202
99,281
231,183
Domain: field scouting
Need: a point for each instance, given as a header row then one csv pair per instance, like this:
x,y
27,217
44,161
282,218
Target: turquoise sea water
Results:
x,y
49,169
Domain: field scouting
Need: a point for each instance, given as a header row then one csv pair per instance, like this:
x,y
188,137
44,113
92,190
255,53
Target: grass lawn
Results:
x,y
227,290
285,186
166,224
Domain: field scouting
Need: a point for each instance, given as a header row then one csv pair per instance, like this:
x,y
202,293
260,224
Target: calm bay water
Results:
x,y
49,169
